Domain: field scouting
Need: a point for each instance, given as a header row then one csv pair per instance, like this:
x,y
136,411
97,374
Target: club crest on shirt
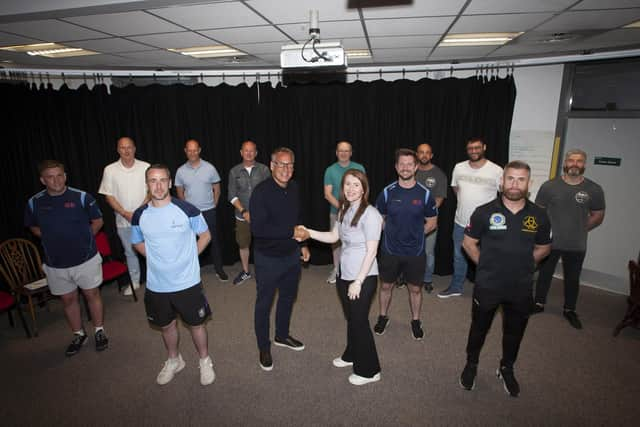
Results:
x,y
529,224
201,312
582,197
430,182
497,221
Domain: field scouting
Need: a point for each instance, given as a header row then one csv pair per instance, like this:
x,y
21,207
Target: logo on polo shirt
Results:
x,y
69,205
582,197
416,202
497,221
529,224
430,182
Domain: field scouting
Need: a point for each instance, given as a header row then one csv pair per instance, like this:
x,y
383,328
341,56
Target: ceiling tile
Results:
x,y
265,33
350,43
407,26
588,20
333,30
607,4
211,16
417,8
125,24
461,52
110,45
298,10
259,48
163,57
51,30
615,38
499,23
11,40
401,42
174,40
514,6
413,54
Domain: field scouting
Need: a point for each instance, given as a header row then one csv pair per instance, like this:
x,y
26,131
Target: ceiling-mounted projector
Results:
x,y
309,55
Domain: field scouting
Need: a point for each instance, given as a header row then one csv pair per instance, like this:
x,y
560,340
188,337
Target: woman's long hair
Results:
x,y
364,200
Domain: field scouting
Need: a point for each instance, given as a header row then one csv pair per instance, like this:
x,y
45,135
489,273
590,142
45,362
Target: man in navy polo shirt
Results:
x,y
505,238
410,214
66,220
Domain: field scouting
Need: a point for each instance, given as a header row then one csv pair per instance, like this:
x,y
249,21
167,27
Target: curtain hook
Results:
x,y
222,77
244,78
380,73
451,71
403,73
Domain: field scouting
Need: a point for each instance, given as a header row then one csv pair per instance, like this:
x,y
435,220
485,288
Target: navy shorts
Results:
x,y
191,304
410,267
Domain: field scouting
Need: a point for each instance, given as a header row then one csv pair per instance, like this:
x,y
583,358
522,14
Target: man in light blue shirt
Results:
x,y
164,231
198,182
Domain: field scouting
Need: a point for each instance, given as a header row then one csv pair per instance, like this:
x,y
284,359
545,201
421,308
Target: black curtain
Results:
x,y
80,128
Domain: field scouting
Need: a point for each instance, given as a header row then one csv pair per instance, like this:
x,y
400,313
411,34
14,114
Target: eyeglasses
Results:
x,y
283,165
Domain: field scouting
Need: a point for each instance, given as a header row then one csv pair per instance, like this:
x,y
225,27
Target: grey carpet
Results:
x,y
568,377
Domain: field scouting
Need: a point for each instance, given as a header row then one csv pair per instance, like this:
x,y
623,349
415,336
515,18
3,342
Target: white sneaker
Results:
x,y
338,362
358,380
206,371
332,277
170,369
127,291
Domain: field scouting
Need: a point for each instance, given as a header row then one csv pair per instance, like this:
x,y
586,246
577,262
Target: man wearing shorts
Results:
x,y
243,178
164,231
410,214
66,220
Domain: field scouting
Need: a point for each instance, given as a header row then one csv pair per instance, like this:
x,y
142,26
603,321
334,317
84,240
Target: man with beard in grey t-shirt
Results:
x,y
575,205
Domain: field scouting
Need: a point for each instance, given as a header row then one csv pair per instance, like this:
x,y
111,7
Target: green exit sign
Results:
x,y
607,161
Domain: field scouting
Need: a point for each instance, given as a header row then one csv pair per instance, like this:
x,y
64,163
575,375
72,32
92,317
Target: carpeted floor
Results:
x,y
568,377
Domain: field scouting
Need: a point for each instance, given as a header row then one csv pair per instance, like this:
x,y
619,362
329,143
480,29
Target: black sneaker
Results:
x,y
537,308
289,342
222,276
428,287
468,376
102,342
509,381
266,363
381,325
416,330
241,277
572,317
76,344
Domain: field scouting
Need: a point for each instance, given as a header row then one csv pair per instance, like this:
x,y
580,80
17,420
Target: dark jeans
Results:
x,y
571,265
281,273
212,254
361,348
515,316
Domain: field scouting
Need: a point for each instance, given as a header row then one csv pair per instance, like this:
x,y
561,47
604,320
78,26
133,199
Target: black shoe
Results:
x,y
537,308
102,342
416,330
241,277
266,363
468,376
572,317
509,381
76,344
222,276
428,286
289,342
381,325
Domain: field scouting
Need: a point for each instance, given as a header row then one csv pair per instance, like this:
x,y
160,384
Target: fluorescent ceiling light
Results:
x,y
358,53
633,25
478,39
50,50
218,51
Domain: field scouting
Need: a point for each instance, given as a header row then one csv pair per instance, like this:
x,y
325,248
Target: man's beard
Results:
x,y
571,171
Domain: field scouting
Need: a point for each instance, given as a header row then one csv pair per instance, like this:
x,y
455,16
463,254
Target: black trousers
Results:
x,y
212,254
515,316
571,266
361,347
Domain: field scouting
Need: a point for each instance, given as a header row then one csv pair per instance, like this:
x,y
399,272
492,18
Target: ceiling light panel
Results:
x,y
215,51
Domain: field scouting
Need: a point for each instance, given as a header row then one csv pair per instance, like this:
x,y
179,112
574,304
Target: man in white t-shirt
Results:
x,y
124,187
475,182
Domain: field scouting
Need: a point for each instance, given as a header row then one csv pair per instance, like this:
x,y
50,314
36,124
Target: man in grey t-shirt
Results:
x,y
432,177
575,206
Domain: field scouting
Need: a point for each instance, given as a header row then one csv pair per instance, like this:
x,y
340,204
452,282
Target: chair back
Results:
x,y
102,241
20,263
634,282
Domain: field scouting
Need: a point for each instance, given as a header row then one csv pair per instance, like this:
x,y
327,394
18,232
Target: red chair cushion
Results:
x,y
112,269
102,242
6,300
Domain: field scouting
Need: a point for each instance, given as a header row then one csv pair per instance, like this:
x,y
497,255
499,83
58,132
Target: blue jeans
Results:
x,y
429,248
132,258
459,260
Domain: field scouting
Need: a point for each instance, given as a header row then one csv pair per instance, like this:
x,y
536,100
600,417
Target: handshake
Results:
x,y
300,233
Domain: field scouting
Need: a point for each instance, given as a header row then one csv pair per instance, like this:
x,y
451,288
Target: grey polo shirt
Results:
x,y
354,241
197,183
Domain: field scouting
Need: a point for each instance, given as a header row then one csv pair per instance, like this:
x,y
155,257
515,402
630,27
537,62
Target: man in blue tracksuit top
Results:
x,y
275,212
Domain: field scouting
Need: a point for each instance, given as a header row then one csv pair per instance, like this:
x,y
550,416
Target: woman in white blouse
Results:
x,y
358,227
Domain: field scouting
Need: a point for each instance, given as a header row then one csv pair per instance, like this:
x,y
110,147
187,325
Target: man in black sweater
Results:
x,y
275,212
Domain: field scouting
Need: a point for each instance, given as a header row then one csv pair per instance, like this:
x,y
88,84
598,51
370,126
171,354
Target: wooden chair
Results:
x,y
22,270
632,317
8,303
